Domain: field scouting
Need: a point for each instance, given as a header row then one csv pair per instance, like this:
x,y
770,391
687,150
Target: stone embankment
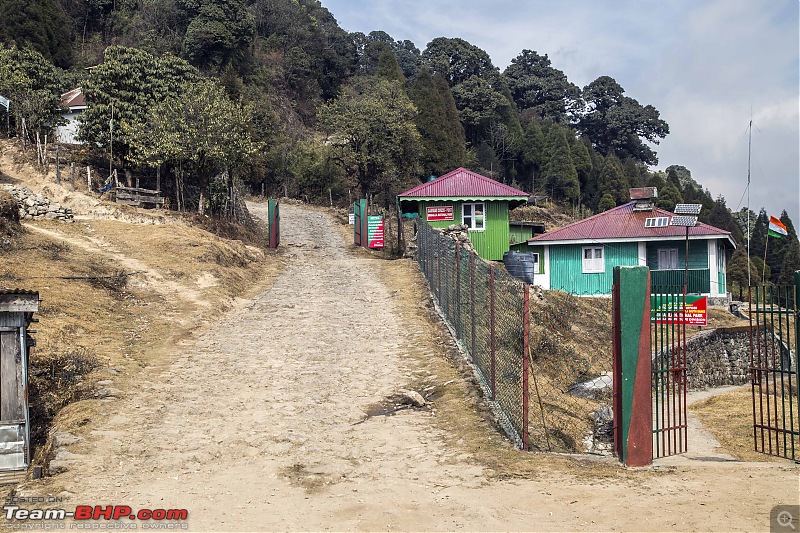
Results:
x,y
37,207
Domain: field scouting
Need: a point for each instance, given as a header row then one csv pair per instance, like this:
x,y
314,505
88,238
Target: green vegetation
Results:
x,y
283,99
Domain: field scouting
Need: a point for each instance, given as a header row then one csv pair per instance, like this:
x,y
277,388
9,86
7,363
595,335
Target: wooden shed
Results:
x,y
465,197
16,314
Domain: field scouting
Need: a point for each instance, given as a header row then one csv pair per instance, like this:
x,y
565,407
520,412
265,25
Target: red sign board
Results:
x,y
375,231
439,212
670,309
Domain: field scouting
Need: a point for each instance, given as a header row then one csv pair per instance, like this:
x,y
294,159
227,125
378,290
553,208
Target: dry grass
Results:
x,y
139,289
459,408
729,417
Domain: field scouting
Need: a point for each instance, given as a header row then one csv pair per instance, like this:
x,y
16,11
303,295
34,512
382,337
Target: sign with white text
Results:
x,y
439,212
375,231
670,309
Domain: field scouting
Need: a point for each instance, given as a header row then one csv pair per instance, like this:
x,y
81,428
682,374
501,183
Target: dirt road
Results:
x,y
260,424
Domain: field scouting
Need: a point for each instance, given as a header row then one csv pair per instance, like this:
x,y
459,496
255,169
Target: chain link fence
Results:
x,y
543,358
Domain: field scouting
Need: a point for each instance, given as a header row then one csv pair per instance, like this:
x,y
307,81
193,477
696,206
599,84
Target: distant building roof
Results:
x,y
624,223
73,99
464,184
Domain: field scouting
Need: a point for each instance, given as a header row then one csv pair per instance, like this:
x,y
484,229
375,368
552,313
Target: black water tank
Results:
x,y
521,265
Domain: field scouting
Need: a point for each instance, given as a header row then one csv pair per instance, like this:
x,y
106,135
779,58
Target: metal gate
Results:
x,y
774,376
274,215
668,340
360,231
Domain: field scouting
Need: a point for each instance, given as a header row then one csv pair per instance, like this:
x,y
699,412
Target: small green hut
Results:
x,y
465,197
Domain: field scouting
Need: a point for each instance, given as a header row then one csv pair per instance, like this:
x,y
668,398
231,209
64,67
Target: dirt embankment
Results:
x,y
116,294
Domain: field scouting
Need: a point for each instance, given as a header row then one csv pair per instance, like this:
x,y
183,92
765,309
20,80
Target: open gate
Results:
x,y
774,373
668,342
360,222
274,215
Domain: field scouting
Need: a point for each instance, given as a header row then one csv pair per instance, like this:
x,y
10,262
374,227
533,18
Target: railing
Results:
x,y
699,279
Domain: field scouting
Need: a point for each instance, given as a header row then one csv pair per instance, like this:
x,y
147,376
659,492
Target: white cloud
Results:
x,y
702,64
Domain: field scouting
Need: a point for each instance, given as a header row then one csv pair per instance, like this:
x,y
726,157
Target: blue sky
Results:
x,y
702,64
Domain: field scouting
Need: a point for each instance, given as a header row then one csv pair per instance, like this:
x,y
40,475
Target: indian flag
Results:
x,y
776,228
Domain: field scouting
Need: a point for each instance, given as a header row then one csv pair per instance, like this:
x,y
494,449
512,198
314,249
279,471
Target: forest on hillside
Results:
x,y
276,97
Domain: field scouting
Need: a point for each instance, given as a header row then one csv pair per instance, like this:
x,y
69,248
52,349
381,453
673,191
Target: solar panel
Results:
x,y
687,209
689,221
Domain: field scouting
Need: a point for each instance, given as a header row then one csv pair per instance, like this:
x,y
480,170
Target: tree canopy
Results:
x,y
538,86
618,124
372,135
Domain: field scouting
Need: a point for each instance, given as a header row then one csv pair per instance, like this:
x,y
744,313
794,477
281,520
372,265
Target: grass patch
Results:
x,y
729,417
56,379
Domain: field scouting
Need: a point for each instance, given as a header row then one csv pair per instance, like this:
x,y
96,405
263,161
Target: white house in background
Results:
x,y
73,104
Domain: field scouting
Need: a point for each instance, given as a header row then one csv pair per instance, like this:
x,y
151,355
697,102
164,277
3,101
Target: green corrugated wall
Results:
x,y
491,243
698,253
568,276
520,234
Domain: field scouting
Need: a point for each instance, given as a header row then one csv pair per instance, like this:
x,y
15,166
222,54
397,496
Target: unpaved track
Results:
x,y
255,426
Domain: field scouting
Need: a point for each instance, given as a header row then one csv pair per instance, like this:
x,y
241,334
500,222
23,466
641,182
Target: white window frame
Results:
x,y
593,264
668,267
536,262
472,221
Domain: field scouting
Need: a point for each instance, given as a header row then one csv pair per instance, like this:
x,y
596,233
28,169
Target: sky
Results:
x,y
707,66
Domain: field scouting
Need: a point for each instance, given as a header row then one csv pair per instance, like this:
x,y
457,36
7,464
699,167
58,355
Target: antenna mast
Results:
x,y
749,146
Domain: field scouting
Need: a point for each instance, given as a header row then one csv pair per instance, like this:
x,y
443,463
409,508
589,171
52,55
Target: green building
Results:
x,y
465,197
580,258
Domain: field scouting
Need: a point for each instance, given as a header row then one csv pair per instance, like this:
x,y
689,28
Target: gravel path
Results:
x,y
259,424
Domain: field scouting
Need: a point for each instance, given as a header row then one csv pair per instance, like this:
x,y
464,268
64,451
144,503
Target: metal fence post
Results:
x,y
526,363
797,349
492,343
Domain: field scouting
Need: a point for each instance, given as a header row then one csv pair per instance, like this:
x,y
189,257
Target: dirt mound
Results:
x,y
551,217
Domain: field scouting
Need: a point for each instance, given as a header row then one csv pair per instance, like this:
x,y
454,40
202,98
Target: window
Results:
x,y
668,259
535,256
656,222
472,216
593,260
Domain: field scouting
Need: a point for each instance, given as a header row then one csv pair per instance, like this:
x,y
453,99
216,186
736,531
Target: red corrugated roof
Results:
x,y
624,223
462,183
73,98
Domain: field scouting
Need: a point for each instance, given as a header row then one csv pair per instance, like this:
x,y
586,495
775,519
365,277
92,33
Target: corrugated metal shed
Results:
x,y
73,99
464,184
624,223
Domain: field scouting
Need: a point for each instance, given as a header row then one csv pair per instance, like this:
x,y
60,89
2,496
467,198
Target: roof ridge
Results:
x,y
479,181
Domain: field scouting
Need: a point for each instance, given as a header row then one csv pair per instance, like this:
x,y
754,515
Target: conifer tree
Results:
x,y
613,180
442,136
560,174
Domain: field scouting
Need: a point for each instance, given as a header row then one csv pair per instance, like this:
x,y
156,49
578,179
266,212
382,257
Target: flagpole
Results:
x,y
764,268
749,146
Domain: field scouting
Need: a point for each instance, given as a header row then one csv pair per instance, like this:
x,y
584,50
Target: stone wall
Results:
x,y
718,357
36,206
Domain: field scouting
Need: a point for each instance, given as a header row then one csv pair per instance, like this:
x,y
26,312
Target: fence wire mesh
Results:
x,y
563,404
483,307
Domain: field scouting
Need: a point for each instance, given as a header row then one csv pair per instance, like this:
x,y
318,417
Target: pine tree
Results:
x,y
532,150
669,197
560,174
613,180
606,202
720,217
633,172
582,161
443,146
